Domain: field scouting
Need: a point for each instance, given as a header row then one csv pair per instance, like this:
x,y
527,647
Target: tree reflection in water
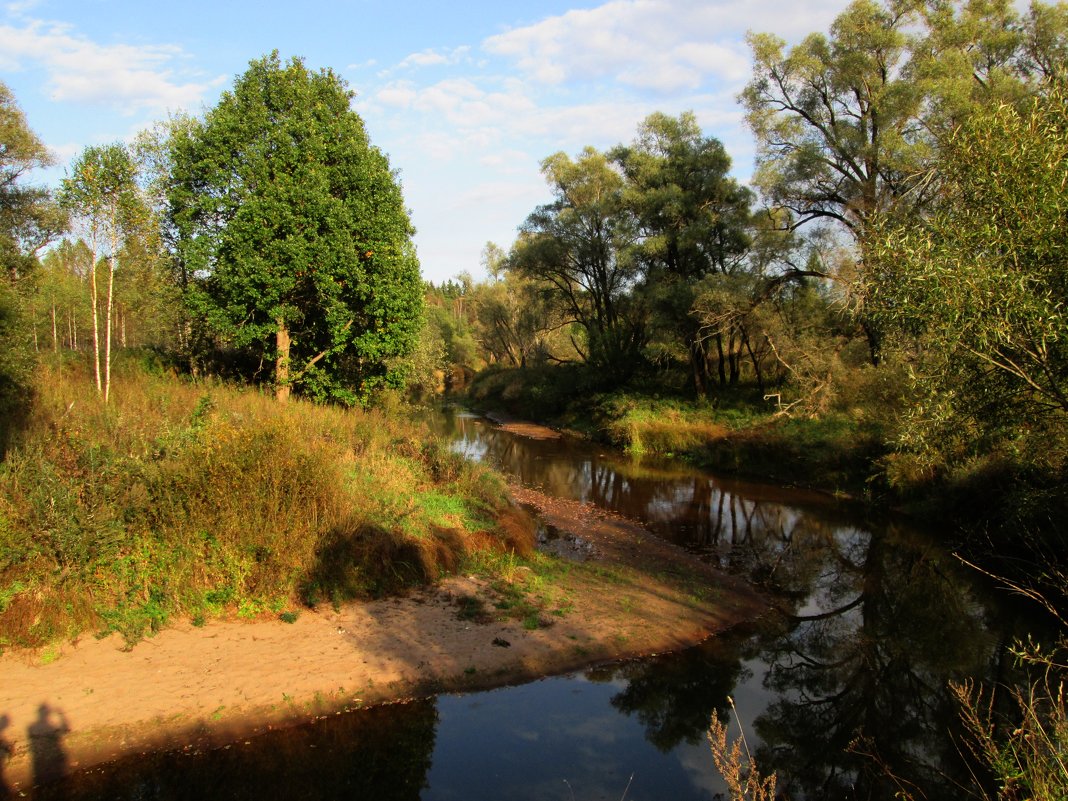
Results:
x,y
856,700
380,753
861,681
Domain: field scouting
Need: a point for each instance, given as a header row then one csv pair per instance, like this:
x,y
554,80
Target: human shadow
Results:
x,y
6,750
46,733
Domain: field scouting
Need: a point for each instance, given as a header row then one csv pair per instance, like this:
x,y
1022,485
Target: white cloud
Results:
x,y
18,8
665,45
433,58
398,94
127,77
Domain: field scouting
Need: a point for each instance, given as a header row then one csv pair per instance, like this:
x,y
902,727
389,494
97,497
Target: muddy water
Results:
x,y
846,685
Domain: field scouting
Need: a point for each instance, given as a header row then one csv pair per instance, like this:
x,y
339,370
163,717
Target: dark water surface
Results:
x,y
847,684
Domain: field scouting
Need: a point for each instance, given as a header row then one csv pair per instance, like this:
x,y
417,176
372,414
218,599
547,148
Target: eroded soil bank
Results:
x,y
632,595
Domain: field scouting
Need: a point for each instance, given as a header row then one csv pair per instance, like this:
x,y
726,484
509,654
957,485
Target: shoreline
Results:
x,y
187,687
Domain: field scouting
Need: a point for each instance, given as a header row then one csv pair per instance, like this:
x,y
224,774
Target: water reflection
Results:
x,y
841,690
381,753
848,687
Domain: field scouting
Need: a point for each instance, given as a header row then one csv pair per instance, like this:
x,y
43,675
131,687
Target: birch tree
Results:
x,y
102,197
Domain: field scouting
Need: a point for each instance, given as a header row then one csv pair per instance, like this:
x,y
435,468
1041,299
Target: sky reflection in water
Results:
x,y
849,680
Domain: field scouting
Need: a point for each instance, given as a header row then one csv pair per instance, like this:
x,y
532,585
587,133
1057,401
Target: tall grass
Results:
x,y
202,499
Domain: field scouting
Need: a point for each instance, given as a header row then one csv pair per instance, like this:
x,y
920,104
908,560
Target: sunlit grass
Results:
x,y
183,499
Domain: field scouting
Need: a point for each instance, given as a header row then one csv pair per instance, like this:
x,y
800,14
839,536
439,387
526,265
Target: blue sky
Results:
x,y
466,99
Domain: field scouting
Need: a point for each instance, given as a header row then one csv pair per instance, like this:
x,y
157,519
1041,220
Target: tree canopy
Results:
x,y
28,217
294,228
981,281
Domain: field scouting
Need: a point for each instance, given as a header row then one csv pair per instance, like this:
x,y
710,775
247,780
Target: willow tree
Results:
x,y
693,220
295,230
980,283
845,122
583,246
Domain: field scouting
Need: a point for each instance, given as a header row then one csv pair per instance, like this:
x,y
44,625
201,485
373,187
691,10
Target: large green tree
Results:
x,y
583,245
693,219
28,217
980,286
295,231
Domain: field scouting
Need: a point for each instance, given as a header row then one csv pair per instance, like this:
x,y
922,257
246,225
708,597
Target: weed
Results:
x,y
744,782
289,617
50,654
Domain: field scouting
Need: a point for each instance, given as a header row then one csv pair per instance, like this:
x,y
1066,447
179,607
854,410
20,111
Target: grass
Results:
x,y
528,587
198,500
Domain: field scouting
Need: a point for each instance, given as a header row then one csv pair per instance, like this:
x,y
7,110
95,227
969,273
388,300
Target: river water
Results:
x,y
845,692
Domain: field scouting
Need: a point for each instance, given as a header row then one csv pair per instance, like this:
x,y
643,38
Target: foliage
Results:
x,y
845,123
979,286
693,220
179,499
28,217
833,117
582,245
16,365
295,232
101,195
1029,762
518,321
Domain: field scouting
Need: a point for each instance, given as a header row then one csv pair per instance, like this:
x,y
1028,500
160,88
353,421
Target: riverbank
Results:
x,y
203,687
742,433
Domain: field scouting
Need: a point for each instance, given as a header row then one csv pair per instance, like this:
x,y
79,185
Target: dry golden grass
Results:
x,y
202,499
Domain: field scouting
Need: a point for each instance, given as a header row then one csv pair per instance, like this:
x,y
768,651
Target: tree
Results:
x,y
102,197
60,292
28,217
693,219
846,123
583,245
294,231
980,284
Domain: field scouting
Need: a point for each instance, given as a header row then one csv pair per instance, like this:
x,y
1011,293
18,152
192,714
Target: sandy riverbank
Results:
x,y
96,701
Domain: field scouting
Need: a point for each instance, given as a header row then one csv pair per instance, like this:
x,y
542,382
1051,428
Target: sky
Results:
x,y
466,99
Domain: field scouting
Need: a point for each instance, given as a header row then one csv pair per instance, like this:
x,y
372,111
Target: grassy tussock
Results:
x,y
180,499
666,427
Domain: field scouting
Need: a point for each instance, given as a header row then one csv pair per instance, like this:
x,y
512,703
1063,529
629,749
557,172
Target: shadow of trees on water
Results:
x,y
381,753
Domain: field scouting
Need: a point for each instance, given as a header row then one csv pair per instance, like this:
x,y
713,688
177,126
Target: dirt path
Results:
x,y
634,595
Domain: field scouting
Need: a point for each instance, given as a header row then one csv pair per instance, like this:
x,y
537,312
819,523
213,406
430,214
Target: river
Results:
x,y
845,692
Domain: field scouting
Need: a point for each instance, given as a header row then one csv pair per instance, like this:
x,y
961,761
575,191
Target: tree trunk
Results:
x,y
55,332
107,321
96,322
698,362
733,352
722,361
755,361
281,363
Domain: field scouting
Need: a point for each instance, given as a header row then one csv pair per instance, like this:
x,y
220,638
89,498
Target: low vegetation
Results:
x,y
200,499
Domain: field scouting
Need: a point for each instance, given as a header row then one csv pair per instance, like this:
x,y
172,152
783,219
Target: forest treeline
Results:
x,y
896,265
